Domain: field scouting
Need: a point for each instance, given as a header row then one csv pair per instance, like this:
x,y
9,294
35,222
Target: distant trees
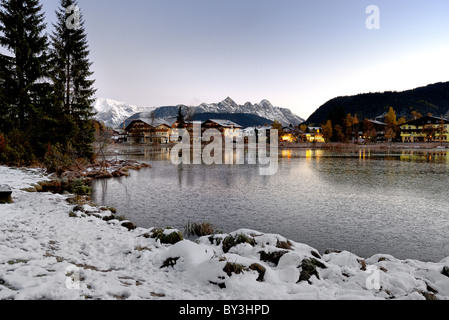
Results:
x,y
416,115
276,125
348,127
327,131
369,131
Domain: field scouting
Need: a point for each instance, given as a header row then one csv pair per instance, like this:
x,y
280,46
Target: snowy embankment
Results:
x,y
51,250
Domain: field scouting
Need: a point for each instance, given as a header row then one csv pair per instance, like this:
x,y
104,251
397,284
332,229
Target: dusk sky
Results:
x,y
297,54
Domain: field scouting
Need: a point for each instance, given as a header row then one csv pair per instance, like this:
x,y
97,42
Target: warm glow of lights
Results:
x,y
286,154
288,138
309,154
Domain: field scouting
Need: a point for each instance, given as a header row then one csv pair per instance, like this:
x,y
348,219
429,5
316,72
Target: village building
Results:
x,y
228,129
314,135
257,132
149,131
292,135
373,131
426,129
119,136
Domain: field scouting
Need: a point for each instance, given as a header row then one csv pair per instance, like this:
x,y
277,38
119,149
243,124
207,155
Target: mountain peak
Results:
x,y
228,100
266,102
114,113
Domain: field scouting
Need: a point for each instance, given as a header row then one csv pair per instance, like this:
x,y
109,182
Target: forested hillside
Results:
x,y
432,99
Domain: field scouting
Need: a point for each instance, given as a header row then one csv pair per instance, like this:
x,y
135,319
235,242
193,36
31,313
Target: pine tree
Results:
x,y
23,73
70,72
23,78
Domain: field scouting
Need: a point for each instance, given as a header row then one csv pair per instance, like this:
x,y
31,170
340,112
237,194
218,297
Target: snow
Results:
x,y
113,113
263,109
46,254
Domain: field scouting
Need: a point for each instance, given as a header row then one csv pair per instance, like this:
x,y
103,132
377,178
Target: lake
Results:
x,y
366,202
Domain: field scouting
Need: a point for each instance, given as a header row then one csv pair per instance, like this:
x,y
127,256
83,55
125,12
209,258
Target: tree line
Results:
x,y
46,90
341,127
433,99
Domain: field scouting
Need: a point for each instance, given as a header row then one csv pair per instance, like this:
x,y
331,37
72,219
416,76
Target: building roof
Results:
x,y
426,120
151,122
377,122
225,123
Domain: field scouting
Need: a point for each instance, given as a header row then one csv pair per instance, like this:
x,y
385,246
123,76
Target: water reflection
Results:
x,y
364,201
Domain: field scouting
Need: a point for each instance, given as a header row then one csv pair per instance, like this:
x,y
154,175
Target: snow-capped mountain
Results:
x,y
264,109
114,113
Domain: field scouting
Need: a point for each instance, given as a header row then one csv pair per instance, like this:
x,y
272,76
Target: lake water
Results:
x,y
365,202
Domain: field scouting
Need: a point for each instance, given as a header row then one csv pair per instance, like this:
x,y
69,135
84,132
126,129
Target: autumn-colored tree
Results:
x,y
369,131
390,135
416,115
304,128
339,134
391,119
327,131
103,138
429,130
2,143
349,126
276,125
441,131
393,124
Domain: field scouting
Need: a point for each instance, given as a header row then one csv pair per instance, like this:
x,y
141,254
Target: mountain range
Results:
x,y
117,114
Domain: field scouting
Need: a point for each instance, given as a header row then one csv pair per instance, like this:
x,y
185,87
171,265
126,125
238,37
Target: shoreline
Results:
x,y
138,149
112,262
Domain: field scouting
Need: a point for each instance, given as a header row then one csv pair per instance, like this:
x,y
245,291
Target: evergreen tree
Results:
x,y
180,120
23,73
70,72
23,77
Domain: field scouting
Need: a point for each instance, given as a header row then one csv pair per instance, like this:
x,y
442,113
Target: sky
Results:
x,y
297,54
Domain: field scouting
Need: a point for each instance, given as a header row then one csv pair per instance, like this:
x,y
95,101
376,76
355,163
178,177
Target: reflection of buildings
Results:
x,y
425,156
426,129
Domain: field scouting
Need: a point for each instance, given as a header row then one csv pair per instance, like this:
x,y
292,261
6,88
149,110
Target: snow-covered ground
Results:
x,y
45,253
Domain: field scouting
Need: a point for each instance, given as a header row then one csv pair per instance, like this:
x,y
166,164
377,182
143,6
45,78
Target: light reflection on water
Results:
x,y
366,202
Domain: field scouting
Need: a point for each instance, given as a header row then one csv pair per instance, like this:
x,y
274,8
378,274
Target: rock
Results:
x,y
5,194
129,225
445,271
104,175
272,257
38,187
329,251
260,269
167,236
54,185
170,262
309,269
71,175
